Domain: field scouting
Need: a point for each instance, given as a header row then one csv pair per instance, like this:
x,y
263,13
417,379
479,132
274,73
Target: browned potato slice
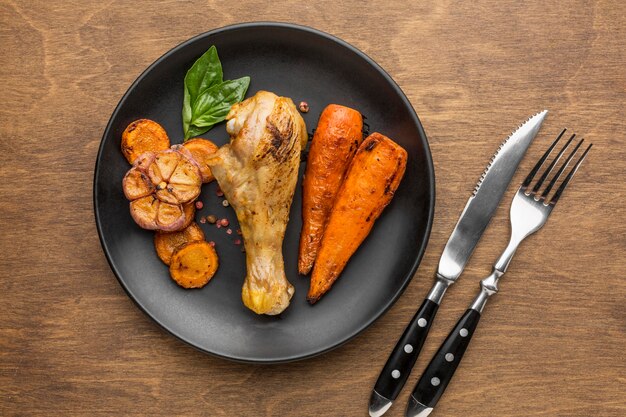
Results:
x,y
136,184
194,264
184,193
141,136
201,150
144,211
166,243
186,173
170,217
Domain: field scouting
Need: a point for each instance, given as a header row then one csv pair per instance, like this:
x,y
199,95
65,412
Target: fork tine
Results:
x,y
548,171
569,176
541,161
561,170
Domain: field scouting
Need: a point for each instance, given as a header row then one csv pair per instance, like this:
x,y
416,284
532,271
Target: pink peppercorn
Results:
x,y
237,241
219,192
202,220
229,231
212,243
199,205
218,225
224,222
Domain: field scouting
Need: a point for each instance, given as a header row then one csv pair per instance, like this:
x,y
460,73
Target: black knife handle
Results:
x,y
403,357
440,370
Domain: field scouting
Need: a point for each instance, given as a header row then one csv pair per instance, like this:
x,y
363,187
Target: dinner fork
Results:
x,y
530,210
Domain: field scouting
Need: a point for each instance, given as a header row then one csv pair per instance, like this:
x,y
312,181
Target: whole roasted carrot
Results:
x,y
369,186
337,137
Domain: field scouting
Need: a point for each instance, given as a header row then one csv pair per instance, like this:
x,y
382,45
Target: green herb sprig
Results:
x,y
207,97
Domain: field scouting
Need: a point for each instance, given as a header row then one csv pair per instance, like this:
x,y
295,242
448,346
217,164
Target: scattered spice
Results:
x,y
219,192
303,107
202,220
243,248
239,232
225,203
211,218
199,205
218,225
237,241
229,231
212,243
224,222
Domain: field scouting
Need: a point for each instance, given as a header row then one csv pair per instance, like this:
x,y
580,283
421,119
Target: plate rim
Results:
x,y
412,113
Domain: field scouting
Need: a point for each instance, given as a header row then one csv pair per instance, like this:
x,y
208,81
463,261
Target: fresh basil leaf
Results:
x,y
213,105
186,113
203,74
194,132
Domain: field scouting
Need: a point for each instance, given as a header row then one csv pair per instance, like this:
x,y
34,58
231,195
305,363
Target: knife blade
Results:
x,y
473,221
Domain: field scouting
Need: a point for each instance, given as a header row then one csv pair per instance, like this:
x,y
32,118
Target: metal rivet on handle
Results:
x,y
395,374
408,348
463,332
435,381
449,357
422,322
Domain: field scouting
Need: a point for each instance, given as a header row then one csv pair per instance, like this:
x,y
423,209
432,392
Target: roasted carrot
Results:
x,y
336,139
194,264
370,183
201,150
141,136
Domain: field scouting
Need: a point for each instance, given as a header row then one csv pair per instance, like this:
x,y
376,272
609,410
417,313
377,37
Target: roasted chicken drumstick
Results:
x,y
258,171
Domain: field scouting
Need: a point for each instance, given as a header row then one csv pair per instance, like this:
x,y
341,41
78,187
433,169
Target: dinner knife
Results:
x,y
473,221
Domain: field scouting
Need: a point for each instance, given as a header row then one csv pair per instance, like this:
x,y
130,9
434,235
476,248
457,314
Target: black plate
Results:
x,y
304,64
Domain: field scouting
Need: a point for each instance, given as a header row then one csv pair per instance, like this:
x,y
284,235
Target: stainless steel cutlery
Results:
x,y
466,234
530,210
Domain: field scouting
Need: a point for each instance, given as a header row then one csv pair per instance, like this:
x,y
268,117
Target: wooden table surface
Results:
x,y
551,344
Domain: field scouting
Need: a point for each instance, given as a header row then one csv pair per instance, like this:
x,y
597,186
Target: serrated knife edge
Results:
x,y
495,155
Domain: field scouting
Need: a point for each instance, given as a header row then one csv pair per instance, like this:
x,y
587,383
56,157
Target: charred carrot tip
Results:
x,y
312,300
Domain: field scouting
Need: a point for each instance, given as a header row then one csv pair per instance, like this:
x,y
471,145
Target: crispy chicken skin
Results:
x,y
258,171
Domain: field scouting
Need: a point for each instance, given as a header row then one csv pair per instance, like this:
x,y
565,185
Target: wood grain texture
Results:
x,y
551,344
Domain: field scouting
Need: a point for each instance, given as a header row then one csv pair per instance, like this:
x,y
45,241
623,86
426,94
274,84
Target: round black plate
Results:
x,y
304,64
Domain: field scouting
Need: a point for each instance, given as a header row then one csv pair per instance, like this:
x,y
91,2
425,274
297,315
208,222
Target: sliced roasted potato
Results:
x,y
194,264
141,136
144,211
136,184
170,217
166,243
201,150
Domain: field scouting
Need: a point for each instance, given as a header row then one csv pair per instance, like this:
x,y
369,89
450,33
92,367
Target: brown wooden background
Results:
x,y
551,344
